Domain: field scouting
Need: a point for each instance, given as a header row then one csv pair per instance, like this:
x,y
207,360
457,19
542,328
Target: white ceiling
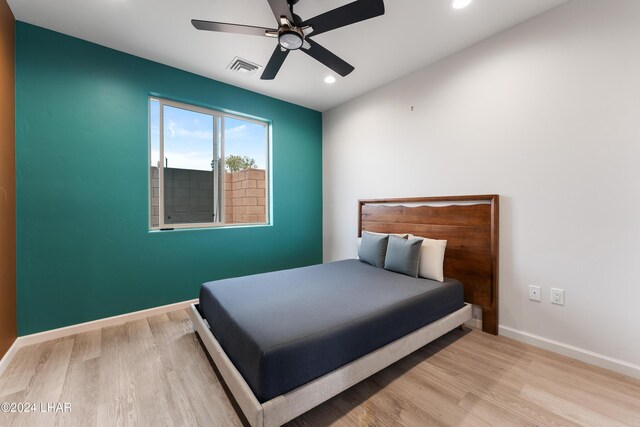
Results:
x,y
411,35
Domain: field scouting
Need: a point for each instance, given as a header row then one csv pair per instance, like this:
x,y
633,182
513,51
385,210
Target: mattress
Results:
x,y
286,328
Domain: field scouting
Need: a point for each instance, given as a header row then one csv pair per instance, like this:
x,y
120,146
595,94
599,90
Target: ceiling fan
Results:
x,y
293,33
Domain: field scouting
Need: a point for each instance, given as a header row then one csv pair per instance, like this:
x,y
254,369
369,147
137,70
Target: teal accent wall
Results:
x,y
84,249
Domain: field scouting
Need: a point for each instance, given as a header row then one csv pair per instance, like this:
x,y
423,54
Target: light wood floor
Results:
x,y
154,372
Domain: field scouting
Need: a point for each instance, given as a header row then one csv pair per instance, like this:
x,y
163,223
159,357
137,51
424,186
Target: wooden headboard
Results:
x,y
470,224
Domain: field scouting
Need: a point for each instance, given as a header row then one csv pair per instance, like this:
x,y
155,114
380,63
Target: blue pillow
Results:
x,y
403,256
373,249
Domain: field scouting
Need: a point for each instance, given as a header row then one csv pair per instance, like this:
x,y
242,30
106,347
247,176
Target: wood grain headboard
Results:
x,y
470,224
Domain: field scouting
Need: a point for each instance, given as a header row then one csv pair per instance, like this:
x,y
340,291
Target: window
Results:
x,y
207,168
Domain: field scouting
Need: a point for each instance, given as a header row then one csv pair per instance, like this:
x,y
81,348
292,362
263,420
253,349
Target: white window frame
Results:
x,y
218,121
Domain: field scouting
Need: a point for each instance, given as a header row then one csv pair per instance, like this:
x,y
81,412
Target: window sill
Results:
x,y
207,227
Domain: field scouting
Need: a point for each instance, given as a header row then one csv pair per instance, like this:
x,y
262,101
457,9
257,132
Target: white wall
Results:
x,y
546,114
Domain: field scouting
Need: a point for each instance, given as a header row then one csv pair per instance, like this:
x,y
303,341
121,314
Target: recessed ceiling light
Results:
x,y
460,4
329,79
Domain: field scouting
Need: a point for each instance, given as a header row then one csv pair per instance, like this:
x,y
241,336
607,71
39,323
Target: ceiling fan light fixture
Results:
x,y
290,39
460,4
329,80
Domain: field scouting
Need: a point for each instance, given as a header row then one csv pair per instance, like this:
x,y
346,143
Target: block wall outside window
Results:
x,y
245,195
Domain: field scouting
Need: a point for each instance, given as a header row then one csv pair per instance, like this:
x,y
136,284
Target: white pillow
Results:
x,y
431,258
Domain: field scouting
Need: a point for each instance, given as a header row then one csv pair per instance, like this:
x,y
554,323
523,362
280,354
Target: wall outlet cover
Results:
x,y
557,296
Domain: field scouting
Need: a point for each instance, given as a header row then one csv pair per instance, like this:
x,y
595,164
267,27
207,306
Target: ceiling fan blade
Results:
x,y
348,14
272,68
280,8
230,28
327,58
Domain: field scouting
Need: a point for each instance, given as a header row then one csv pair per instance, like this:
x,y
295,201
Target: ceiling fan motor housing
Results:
x,y
290,38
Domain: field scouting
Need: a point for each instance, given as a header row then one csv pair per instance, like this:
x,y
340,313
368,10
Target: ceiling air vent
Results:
x,y
243,66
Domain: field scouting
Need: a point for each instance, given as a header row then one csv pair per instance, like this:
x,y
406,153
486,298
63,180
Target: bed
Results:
x,y
286,341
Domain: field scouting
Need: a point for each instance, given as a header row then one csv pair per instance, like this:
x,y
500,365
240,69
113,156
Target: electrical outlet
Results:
x,y
557,296
534,293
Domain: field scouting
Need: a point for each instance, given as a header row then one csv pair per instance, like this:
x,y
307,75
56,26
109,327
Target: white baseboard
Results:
x,y
87,326
8,356
578,353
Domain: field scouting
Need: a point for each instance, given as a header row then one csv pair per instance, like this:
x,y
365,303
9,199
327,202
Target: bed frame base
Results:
x,y
288,406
